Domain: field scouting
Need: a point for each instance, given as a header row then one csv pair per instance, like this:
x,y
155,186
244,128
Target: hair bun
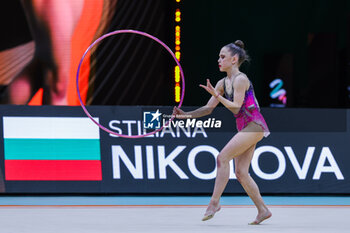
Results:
x,y
239,43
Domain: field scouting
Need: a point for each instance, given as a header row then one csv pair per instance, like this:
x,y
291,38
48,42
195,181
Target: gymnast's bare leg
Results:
x,y
241,147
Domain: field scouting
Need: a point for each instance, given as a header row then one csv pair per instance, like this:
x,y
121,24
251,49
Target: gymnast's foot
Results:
x,y
261,217
211,210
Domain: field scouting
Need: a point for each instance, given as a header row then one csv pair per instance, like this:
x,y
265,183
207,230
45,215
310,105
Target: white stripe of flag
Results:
x,y
51,127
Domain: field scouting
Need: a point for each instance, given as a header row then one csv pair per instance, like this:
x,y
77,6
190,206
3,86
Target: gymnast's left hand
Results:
x,y
209,88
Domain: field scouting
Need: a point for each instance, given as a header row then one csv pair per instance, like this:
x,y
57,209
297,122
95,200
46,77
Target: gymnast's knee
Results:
x,y
241,175
221,160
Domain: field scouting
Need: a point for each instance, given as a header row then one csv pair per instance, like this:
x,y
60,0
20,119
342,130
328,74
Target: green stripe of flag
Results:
x,y
52,149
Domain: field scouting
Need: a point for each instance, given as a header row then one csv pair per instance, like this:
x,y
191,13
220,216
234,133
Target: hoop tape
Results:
x,y
131,32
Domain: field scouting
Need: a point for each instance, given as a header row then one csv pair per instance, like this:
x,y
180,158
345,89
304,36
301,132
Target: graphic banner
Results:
x,y
51,149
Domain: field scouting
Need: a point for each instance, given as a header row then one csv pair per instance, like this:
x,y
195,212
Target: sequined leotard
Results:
x,y
249,111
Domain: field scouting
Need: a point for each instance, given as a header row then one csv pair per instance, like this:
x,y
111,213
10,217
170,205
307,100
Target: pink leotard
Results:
x,y
249,111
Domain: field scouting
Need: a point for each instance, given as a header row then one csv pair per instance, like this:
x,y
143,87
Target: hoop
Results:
x,y
139,33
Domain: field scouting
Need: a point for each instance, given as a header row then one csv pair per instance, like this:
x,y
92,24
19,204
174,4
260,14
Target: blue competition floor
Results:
x,y
168,200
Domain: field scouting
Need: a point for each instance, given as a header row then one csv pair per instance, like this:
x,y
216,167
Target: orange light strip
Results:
x,y
177,77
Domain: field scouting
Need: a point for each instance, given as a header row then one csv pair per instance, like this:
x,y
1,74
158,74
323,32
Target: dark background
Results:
x,y
304,43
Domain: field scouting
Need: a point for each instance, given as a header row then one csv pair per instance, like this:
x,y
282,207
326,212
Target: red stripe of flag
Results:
x,y
53,170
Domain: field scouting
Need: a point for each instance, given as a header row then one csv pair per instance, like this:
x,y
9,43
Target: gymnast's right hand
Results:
x,y
178,113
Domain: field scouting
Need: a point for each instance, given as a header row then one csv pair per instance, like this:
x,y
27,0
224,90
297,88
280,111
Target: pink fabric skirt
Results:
x,y
243,118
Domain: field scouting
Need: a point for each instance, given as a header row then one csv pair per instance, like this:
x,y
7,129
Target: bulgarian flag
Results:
x,y
51,148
